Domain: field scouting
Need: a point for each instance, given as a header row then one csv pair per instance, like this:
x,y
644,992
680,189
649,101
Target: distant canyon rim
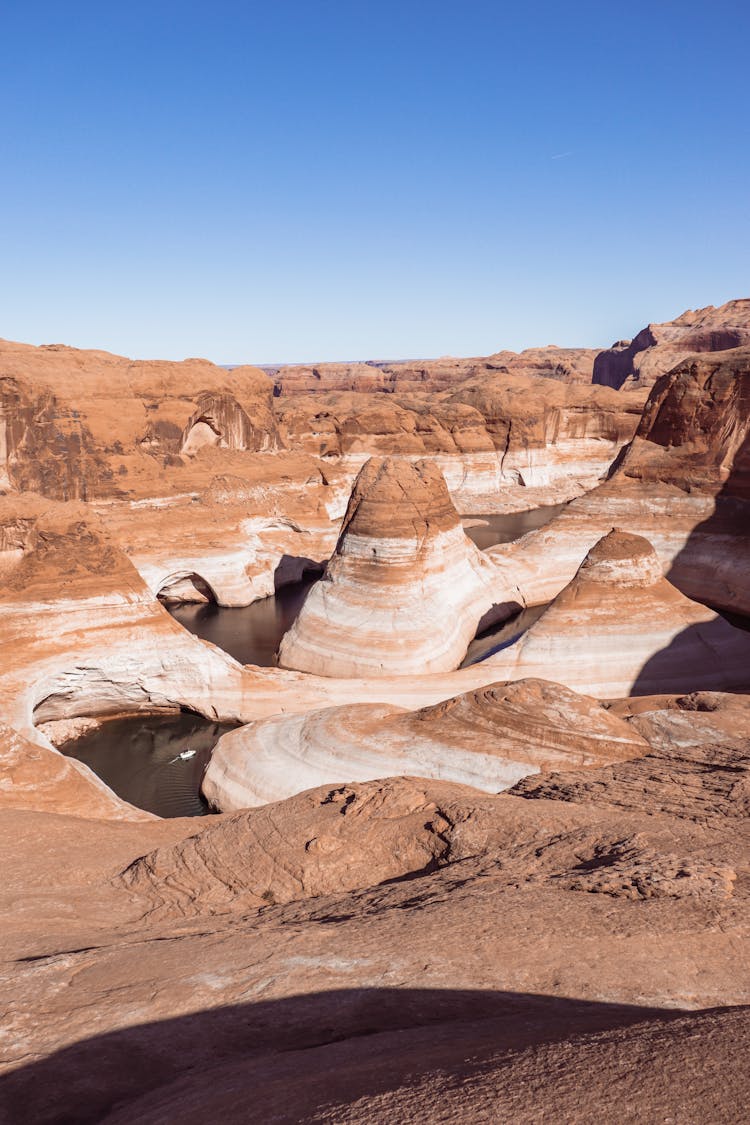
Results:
x,y
424,691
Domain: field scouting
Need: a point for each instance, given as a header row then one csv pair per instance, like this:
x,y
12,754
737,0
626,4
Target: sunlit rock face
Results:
x,y
80,633
33,776
620,628
405,588
487,738
659,347
84,424
219,419
509,427
683,483
567,365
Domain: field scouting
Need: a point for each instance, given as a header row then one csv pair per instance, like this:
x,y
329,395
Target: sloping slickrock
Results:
x,y
317,844
499,926
652,1069
405,588
659,347
683,483
35,777
620,628
80,634
487,739
699,767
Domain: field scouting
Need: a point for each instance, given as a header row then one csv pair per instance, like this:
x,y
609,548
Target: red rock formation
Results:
x,y
36,777
659,347
683,483
362,948
490,433
405,588
80,633
75,424
486,738
569,365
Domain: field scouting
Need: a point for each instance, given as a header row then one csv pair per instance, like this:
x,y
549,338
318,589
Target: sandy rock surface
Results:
x,y
487,739
334,922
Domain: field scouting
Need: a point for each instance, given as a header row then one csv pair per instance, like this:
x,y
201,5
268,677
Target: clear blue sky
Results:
x,y
341,179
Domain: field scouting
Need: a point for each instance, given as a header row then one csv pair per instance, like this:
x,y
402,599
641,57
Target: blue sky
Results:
x,y
339,180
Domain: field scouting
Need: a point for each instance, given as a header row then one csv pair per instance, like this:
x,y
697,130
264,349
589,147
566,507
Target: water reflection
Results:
x,y
155,762
251,634
506,528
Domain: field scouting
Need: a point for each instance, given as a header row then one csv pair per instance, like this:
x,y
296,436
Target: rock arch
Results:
x,y
185,586
220,420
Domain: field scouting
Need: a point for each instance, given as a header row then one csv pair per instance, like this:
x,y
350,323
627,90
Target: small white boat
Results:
x,y
185,754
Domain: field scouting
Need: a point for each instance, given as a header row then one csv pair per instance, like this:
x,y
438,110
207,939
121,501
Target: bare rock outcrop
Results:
x,y
405,588
37,777
620,628
366,950
322,842
486,738
568,365
80,633
698,769
659,347
77,424
683,483
504,428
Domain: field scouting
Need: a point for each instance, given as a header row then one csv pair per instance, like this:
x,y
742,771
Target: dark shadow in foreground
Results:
x,y
715,554
241,1054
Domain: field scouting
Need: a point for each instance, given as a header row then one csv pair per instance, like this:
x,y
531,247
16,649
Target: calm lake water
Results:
x,y
139,758
504,529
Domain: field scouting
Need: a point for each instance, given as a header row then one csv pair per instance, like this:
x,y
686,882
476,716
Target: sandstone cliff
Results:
x,y
658,347
75,424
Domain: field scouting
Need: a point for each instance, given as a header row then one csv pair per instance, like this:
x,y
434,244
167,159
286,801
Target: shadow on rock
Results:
x,y
276,1060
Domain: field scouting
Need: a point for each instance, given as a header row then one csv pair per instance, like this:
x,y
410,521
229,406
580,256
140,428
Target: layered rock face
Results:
x,y
503,429
682,483
617,629
659,347
405,588
383,948
568,365
81,635
487,738
620,628
77,424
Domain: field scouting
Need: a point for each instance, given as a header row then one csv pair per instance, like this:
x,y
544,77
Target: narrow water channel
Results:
x,y
251,634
